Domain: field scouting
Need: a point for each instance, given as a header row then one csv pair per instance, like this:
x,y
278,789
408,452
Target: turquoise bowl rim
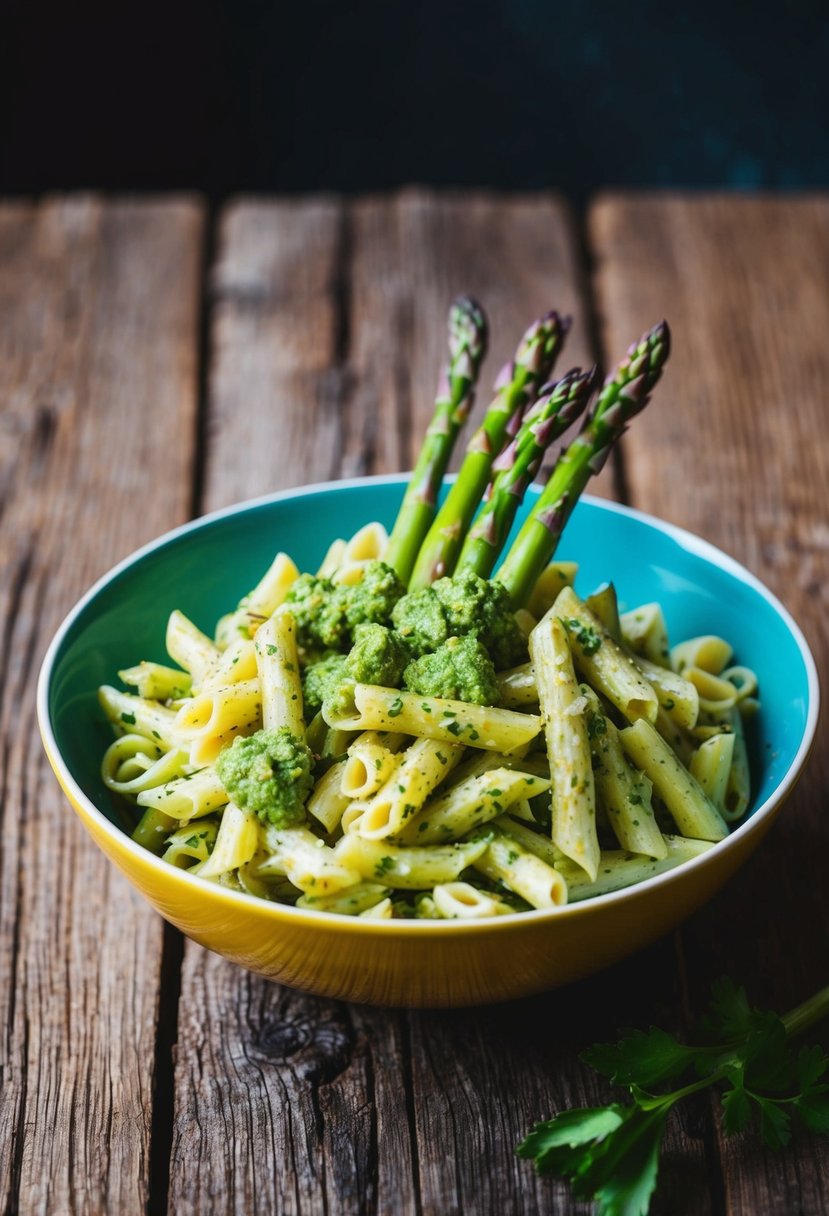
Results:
x,y
685,539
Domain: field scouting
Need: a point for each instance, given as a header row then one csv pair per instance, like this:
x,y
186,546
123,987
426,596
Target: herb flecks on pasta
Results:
x,y
396,735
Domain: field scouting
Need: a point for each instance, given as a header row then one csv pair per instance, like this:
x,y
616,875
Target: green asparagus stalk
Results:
x,y
558,406
624,394
517,384
455,395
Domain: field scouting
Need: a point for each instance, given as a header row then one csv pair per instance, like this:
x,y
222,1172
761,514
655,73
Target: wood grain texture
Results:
x,y
736,450
295,1103
98,317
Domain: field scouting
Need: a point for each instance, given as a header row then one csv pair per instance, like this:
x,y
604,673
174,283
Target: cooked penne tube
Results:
x,y
709,652
692,810
743,679
411,868
277,663
548,584
530,839
621,869
236,842
188,797
738,786
236,663
677,696
711,764
573,801
517,687
381,911
475,763
352,815
136,715
332,560
350,901
678,739
211,720
644,632
189,647
307,861
371,707
462,901
716,695
372,758
422,768
190,844
602,662
366,545
506,861
128,769
157,682
260,603
604,604
469,804
625,793
327,802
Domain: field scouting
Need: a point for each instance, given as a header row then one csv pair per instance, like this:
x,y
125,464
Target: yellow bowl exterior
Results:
x,y
416,963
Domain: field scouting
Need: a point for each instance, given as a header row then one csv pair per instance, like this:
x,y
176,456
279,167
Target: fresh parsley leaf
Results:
x,y
611,1154
643,1058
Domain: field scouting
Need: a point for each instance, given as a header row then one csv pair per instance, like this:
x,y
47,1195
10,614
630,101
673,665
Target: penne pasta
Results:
x,y
692,810
573,801
602,662
370,707
422,768
277,664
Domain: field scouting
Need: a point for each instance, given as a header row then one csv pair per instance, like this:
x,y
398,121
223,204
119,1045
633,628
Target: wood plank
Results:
x,y
736,450
98,315
339,1108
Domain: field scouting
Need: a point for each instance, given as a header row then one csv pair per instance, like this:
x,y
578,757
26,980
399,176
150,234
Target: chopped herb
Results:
x,y
426,707
473,734
441,757
670,703
271,648
383,866
454,728
636,799
396,707
130,718
585,635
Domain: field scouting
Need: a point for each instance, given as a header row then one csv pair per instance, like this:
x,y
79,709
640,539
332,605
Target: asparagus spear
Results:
x,y
456,392
517,384
558,406
624,394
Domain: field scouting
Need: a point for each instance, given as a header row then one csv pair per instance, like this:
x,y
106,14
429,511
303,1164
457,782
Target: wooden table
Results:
x,y
154,354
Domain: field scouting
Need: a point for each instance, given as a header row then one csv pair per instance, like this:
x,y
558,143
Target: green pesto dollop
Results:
x,y
320,679
465,605
268,773
378,656
319,608
327,613
460,669
372,600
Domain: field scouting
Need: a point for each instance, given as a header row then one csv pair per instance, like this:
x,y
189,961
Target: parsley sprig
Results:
x,y
611,1153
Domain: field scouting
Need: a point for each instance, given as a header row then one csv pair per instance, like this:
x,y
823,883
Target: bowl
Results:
x,y
204,567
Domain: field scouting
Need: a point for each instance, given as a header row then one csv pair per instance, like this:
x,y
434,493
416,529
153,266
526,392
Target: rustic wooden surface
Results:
x,y
284,342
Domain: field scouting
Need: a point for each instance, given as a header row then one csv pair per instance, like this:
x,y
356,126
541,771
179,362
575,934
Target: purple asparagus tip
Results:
x,y
506,459
504,376
552,517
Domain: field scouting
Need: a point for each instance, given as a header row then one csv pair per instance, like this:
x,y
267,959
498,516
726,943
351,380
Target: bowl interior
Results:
x,y
204,570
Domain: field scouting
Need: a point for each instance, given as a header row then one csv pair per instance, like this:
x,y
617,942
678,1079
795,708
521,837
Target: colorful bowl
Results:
x,y
203,569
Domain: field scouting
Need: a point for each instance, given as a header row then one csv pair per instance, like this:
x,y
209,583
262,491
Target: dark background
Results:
x,y
226,95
